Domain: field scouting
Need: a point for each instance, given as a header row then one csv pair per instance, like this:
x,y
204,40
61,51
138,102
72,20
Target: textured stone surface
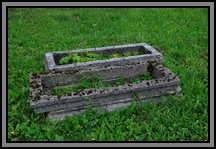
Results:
x,y
61,114
164,83
51,59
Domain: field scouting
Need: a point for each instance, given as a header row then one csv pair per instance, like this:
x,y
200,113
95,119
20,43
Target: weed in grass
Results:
x,y
145,76
98,82
90,56
84,83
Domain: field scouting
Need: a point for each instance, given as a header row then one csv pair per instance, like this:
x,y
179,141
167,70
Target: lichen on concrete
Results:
x,y
164,83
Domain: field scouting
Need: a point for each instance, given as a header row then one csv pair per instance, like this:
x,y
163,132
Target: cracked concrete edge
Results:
x,y
103,100
62,114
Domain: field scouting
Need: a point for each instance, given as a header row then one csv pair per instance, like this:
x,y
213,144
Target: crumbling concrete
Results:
x,y
164,83
51,60
61,114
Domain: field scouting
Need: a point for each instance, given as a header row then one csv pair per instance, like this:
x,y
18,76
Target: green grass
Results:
x,y
98,82
180,34
90,56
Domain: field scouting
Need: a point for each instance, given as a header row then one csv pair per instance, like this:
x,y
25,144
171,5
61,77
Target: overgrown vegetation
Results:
x,y
90,56
180,34
99,82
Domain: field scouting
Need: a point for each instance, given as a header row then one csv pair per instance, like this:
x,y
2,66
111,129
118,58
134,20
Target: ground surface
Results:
x,y
180,34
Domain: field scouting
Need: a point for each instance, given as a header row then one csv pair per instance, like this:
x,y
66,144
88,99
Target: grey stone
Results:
x,y
52,59
164,83
61,114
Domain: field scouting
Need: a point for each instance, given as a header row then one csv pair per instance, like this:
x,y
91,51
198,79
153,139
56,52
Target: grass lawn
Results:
x,y
180,34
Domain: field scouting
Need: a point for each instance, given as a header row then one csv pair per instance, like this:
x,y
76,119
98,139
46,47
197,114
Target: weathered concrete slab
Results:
x,y
61,114
51,59
164,83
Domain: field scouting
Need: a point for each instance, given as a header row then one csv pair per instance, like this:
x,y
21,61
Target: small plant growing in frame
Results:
x,y
90,56
98,82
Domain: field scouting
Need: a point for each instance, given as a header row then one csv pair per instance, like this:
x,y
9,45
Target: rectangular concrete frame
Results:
x,y
51,59
104,99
